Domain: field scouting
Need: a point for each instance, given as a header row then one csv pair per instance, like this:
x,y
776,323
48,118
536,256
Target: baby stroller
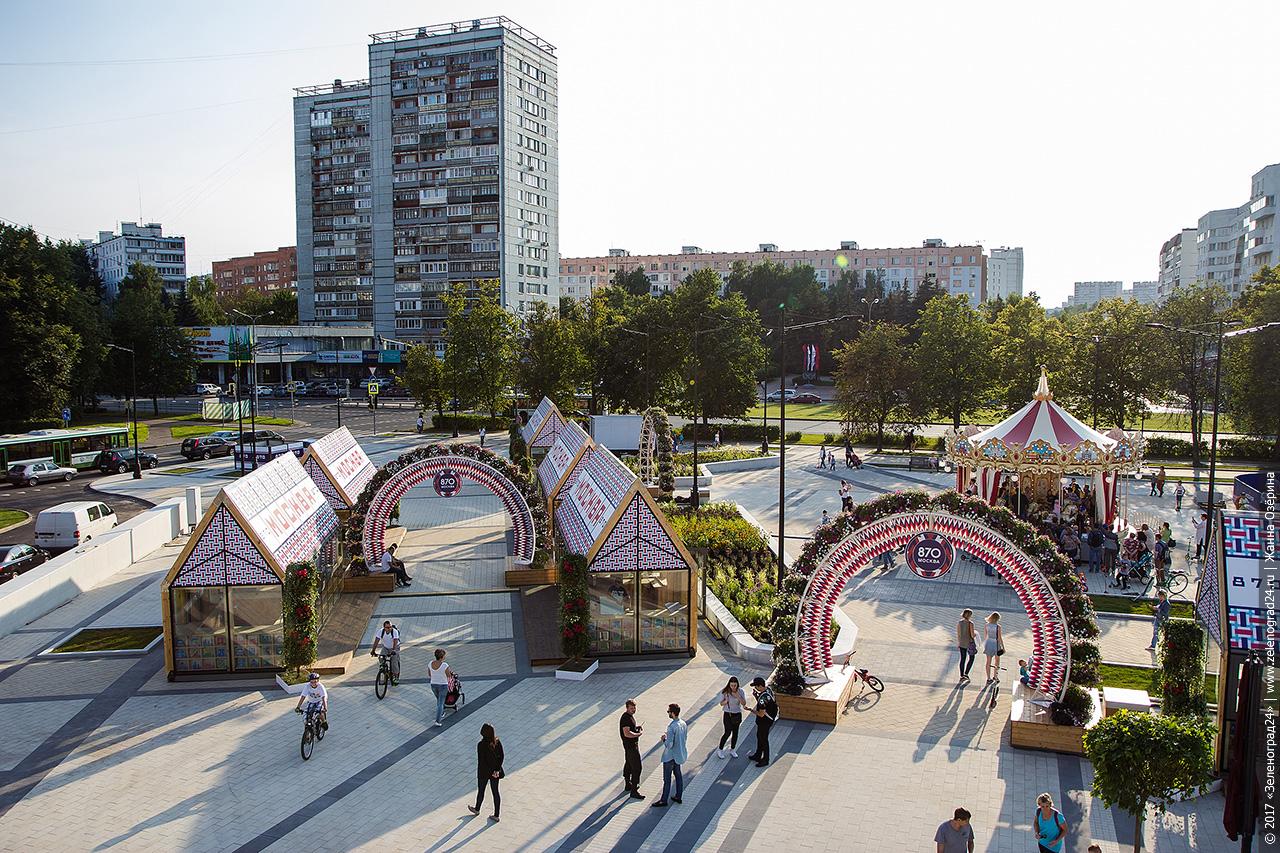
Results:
x,y
454,698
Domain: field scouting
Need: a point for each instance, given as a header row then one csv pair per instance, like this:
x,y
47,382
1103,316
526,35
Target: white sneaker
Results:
x,y
719,753
438,723
734,753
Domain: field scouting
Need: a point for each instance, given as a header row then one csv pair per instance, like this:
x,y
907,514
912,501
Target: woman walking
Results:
x,y
993,647
733,699
1049,826
967,640
440,674
488,770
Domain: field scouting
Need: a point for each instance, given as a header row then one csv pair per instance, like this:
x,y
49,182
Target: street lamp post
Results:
x,y
869,303
764,418
253,397
133,375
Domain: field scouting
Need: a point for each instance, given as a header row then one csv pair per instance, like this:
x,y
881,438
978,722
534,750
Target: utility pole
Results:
x,y
133,371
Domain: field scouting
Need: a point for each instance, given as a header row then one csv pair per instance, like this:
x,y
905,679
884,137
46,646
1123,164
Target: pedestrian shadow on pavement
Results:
x,y
463,822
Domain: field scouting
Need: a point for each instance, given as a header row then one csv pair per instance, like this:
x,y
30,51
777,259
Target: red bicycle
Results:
x,y
864,675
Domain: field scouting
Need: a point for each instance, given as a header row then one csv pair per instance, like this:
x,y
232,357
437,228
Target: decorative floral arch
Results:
x,y
1040,574
367,523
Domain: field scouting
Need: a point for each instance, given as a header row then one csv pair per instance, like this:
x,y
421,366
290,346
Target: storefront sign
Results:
x,y
930,555
341,356
220,343
447,483
277,501
389,356
591,504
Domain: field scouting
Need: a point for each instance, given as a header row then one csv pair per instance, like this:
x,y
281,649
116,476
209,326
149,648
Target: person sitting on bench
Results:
x,y
395,566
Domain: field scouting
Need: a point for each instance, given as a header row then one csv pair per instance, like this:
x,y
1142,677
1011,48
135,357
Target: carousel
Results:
x,y
1032,458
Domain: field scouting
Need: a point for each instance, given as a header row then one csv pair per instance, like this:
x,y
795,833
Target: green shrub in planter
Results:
x,y
467,422
301,622
1077,703
1182,659
575,613
1085,658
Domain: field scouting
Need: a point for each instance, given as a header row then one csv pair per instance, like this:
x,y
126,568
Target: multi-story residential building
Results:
x,y
956,269
441,169
1259,223
1146,292
261,271
1220,248
1177,262
1090,293
113,254
1004,273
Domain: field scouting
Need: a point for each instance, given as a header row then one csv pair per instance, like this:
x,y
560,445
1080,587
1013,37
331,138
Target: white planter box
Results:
x,y
759,463
293,689
570,675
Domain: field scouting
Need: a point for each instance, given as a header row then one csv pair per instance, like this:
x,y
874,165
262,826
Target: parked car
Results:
x,y
207,446
227,434
806,397
262,436
777,395
264,390
31,473
121,460
16,559
208,389
72,523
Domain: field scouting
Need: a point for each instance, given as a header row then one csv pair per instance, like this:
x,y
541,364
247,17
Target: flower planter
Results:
x,y
292,689
577,670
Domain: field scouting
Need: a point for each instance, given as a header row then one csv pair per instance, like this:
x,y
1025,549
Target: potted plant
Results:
x,y
575,620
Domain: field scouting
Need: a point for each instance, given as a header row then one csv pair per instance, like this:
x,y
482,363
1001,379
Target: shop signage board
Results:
x,y
283,509
212,344
344,460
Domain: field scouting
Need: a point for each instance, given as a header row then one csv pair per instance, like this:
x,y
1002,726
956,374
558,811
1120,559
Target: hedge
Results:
x,y
468,423
1163,447
732,432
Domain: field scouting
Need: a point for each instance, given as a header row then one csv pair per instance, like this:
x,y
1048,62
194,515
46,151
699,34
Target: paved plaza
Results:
x,y
101,752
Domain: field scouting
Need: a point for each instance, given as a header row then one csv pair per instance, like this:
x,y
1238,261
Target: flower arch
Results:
x,y
1043,577
367,523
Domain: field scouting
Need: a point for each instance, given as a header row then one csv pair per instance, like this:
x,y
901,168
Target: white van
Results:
x,y
73,523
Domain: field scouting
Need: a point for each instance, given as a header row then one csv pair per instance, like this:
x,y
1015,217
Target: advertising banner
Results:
x,y
214,344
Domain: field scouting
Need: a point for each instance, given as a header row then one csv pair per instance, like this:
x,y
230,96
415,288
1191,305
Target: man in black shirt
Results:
x,y
766,711
630,734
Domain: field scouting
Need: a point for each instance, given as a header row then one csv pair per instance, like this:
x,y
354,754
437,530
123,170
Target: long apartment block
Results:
x,y
440,168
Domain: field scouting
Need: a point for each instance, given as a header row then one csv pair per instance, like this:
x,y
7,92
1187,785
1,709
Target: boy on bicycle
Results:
x,y
389,639
316,697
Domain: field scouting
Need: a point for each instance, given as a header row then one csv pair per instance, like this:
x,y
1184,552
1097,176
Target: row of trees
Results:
x,y
1106,363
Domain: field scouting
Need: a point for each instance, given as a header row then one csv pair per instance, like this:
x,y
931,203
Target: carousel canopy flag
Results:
x,y
544,425
1040,443
339,467
563,454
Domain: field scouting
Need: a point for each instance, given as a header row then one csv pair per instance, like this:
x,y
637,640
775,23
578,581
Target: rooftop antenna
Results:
x,y
140,219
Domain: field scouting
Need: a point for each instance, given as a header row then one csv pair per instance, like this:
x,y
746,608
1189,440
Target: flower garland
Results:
x,y
1055,565
666,462
575,613
300,620
353,529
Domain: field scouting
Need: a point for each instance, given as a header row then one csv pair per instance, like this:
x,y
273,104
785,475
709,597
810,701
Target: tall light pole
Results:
x,y
869,303
1221,335
764,418
253,398
133,373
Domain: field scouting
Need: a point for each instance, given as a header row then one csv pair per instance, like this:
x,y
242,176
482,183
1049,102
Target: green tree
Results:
x,y
766,286
551,362
204,301
608,364
38,345
424,378
480,354
86,315
633,281
1251,363
953,357
1126,371
142,322
874,380
1024,338
1181,361
1148,758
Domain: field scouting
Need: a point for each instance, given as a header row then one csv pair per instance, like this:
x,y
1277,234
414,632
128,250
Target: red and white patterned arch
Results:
x,y
422,471
1050,659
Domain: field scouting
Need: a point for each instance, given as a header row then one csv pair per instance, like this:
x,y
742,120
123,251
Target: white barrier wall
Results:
x,y
42,590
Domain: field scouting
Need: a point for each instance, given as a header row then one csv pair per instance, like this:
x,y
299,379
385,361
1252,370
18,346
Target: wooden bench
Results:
x,y
1031,728
376,581
533,575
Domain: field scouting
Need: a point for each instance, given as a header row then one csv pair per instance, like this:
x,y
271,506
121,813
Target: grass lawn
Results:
x,y
179,471
1125,604
109,639
206,427
12,516
1141,678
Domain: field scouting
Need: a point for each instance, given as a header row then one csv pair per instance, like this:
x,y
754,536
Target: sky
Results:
x,y
1087,133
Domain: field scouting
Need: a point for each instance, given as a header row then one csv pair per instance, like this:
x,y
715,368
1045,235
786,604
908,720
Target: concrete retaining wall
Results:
x,y
759,463
32,595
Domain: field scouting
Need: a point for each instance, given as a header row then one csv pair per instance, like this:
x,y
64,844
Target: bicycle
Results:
x,y
864,675
312,729
384,677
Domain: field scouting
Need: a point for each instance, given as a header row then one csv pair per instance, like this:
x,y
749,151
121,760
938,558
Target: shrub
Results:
x,y
468,423
1182,659
716,527
301,623
1244,448
575,614
1085,659
728,432
1163,447
664,455
1077,705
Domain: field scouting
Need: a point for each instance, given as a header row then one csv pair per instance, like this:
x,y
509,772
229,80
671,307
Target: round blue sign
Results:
x,y
930,555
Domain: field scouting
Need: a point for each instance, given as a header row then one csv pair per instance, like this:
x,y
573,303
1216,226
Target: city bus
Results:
x,y
75,448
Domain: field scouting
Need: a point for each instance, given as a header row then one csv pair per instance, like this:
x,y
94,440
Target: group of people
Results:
x,y
992,646
1048,824
827,458
675,739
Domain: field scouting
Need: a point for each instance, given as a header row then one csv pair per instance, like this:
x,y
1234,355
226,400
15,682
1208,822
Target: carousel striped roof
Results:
x,y
1043,420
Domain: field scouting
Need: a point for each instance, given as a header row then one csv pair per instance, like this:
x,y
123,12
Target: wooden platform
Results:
x,y
821,704
343,632
540,608
380,582
1031,728
533,576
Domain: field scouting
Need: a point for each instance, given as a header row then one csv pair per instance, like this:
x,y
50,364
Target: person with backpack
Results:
x,y
1049,826
766,711
489,770
389,639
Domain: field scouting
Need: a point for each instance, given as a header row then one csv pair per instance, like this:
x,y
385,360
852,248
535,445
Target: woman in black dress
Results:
x,y
488,770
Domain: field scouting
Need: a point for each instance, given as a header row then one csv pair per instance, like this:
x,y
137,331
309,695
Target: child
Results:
x,y
1024,674
1095,848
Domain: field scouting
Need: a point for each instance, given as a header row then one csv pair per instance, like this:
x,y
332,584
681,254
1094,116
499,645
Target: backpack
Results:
x,y
1035,820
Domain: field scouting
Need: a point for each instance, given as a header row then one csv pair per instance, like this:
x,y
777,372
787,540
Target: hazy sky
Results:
x,y
1088,133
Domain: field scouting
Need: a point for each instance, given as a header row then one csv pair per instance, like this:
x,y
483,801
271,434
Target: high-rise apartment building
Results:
x,y
955,269
1146,292
1090,293
440,169
1177,262
262,271
113,254
1004,273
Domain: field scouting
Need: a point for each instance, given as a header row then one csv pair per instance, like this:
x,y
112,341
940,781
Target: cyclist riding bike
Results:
x,y
389,639
316,699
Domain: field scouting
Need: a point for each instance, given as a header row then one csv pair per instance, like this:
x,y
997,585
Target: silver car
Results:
x,y
31,473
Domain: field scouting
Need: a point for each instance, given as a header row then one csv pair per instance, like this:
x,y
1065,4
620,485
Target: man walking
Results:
x,y
1202,529
1162,616
482,433
955,835
766,711
1179,493
420,423
630,733
1159,481
674,753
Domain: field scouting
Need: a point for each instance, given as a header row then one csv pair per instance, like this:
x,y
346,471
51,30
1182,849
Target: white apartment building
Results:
x,y
440,169
1004,273
1090,293
1178,258
1146,292
956,269
113,254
